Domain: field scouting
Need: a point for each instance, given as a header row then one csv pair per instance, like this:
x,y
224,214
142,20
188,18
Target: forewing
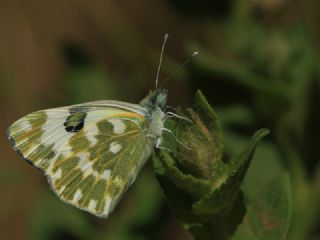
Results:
x,y
90,155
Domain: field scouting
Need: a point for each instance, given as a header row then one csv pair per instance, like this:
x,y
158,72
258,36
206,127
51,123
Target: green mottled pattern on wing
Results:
x,y
91,167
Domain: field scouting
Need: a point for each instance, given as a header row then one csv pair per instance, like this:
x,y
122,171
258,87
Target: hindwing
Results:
x,y
90,153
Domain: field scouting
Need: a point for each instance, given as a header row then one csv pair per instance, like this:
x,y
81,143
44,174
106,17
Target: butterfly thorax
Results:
x,y
154,103
156,124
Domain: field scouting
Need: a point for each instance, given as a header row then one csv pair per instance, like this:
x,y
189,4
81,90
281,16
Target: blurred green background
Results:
x,y
258,66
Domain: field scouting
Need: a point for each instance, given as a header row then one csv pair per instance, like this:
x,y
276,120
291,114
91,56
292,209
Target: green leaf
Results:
x,y
221,225
203,190
204,137
212,122
194,186
231,180
269,213
179,200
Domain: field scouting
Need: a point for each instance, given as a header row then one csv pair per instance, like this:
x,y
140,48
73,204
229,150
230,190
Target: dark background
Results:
x,y
258,66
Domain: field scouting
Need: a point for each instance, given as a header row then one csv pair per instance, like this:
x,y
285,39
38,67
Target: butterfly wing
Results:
x,y
90,153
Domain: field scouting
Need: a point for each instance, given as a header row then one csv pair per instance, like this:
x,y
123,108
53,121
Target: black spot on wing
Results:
x,y
75,121
75,128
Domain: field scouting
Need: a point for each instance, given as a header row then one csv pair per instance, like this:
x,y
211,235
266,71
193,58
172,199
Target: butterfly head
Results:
x,y
155,99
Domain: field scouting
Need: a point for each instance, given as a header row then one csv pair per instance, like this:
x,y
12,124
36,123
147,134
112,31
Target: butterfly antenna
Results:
x,y
161,55
180,67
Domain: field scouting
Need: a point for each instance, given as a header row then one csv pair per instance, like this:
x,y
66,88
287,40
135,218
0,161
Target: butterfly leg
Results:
x,y
159,141
171,114
178,141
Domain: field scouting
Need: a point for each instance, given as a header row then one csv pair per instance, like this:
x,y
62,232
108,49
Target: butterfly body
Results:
x,y
91,153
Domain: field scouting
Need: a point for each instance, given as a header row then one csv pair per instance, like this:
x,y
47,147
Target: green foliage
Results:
x,y
269,213
63,217
202,188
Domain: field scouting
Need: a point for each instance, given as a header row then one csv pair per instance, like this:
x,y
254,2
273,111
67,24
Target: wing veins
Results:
x,y
114,137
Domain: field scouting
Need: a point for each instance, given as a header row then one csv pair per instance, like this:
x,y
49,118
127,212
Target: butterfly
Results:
x,y
92,152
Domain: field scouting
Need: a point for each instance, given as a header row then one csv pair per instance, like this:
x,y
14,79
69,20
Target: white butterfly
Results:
x,y
92,152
